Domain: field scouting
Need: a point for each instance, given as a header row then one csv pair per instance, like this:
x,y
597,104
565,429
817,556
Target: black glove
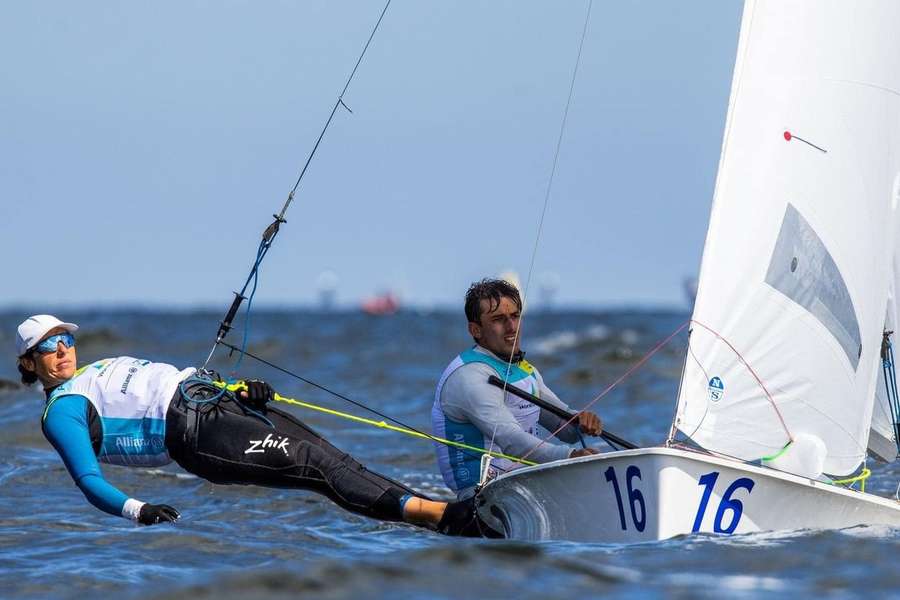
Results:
x,y
152,514
259,393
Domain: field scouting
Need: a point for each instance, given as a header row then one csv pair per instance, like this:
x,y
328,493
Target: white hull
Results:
x,y
664,492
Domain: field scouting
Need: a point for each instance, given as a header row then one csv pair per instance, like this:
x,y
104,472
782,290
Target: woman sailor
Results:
x,y
134,412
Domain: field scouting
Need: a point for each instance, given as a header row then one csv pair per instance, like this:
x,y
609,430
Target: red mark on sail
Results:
x,y
788,136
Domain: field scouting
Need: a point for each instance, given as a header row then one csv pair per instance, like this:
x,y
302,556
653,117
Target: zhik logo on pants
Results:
x,y
260,446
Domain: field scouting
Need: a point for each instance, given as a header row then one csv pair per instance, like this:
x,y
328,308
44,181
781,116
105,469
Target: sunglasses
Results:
x,y
51,343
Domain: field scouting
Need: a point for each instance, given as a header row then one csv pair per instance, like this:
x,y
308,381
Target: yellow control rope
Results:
x,y
861,478
241,386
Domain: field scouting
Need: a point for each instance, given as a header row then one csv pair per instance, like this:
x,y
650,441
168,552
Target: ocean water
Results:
x,y
238,542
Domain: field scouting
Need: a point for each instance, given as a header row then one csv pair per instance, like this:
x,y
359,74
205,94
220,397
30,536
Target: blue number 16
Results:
x,y
708,481
635,497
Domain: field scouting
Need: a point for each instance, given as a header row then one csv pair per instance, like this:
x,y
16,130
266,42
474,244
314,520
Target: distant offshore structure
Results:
x,y
511,276
326,289
547,287
690,290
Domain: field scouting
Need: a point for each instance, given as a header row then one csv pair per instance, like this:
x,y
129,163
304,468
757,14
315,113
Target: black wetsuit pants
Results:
x,y
223,442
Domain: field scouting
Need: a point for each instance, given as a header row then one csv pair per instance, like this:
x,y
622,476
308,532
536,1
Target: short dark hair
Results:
x,y
493,290
28,377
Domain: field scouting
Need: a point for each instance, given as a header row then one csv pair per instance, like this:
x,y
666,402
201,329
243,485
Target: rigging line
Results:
x,y
621,378
255,274
350,400
241,385
493,435
753,373
706,378
338,102
674,427
895,408
890,384
562,131
654,351
272,230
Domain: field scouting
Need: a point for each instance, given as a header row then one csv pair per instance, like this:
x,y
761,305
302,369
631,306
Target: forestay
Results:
x,y
788,321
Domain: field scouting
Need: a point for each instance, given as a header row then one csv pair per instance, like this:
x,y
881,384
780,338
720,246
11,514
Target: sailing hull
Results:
x,y
657,493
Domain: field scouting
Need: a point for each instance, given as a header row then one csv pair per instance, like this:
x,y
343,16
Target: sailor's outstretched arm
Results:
x,y
66,428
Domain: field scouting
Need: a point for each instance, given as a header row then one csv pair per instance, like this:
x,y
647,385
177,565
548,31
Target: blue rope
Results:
x,y
890,384
895,397
220,392
182,387
260,254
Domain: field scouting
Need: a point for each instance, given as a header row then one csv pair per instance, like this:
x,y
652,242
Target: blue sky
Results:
x,y
145,146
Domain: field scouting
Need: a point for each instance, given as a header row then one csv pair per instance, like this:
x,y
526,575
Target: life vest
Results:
x,y
131,397
461,468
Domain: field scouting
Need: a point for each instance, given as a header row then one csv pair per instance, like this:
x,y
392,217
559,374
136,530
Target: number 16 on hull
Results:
x,y
728,509
657,493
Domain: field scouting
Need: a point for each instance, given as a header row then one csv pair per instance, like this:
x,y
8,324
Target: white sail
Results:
x,y
792,294
882,435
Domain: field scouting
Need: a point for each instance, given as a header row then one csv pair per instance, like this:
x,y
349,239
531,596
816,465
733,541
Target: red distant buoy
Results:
x,y
787,136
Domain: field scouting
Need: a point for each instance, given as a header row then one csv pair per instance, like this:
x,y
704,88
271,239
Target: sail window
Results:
x,y
802,269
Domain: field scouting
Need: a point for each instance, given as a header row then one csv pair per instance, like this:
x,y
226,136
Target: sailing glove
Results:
x,y
152,514
258,394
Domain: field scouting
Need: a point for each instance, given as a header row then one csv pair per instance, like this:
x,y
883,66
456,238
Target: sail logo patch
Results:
x,y
716,389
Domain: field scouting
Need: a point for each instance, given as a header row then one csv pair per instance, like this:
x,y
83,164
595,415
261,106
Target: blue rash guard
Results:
x,y
66,426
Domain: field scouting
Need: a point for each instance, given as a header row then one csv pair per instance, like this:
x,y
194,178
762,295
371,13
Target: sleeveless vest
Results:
x,y
131,397
461,468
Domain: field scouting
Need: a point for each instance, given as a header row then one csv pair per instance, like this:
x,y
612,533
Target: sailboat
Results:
x,y
781,397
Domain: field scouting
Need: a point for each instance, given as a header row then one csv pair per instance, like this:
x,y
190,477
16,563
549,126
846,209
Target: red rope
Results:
x,y
647,357
609,388
752,372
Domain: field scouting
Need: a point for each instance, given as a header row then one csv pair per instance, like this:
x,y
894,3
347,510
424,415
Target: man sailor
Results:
x,y
468,409
135,412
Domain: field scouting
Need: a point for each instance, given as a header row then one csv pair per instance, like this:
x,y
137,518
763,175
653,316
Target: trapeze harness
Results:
x,y
134,412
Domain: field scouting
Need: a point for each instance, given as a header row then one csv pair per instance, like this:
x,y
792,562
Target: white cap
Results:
x,y
32,329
